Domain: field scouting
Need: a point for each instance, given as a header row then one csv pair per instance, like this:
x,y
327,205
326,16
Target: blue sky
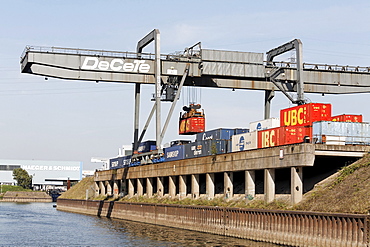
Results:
x,y
76,120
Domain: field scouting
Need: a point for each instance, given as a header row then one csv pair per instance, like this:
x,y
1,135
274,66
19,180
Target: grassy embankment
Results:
x,y
347,191
5,188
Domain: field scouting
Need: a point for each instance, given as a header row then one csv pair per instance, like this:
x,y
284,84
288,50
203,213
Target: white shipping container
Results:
x,y
264,124
244,141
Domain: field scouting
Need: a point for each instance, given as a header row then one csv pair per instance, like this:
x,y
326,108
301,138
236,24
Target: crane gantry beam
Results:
x,y
204,68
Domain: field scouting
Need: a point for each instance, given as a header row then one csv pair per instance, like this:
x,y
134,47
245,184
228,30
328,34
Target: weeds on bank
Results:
x,y
216,202
348,170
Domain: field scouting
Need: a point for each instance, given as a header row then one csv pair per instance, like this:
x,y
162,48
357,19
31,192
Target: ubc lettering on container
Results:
x,y
269,138
305,115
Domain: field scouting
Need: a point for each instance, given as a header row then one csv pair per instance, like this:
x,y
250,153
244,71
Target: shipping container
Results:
x,y
295,134
354,133
240,131
283,136
120,162
193,125
245,141
305,115
269,138
264,124
205,148
179,142
216,134
146,146
347,118
174,153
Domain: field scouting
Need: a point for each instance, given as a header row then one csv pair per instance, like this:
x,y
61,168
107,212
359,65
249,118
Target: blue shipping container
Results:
x,y
147,146
174,153
120,162
205,148
241,131
216,134
354,133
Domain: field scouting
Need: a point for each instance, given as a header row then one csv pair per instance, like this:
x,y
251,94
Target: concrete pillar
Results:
x,y
115,188
123,188
296,183
228,185
210,185
102,188
149,187
160,186
140,189
172,186
250,184
195,186
131,188
109,188
97,189
182,186
269,185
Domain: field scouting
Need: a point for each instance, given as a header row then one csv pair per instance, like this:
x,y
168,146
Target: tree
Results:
x,y
23,179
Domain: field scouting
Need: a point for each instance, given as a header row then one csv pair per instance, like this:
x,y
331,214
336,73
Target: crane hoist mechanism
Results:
x,y
192,121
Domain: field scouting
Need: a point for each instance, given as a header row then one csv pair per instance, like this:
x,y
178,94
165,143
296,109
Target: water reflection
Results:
x,y
172,236
39,224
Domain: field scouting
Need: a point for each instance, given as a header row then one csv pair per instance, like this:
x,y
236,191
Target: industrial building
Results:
x,y
45,174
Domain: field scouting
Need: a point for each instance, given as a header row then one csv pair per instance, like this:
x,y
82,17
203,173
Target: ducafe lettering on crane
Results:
x,y
116,64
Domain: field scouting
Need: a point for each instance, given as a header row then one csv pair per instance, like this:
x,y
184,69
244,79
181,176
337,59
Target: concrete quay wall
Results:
x,y
281,227
188,177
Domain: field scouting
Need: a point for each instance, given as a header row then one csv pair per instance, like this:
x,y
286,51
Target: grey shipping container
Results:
x,y
354,133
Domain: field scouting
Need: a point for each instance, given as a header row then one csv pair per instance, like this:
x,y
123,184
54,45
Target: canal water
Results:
x,y
39,224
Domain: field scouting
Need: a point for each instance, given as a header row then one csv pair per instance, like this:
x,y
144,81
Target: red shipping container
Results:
x,y
269,138
305,115
292,134
192,125
283,136
347,118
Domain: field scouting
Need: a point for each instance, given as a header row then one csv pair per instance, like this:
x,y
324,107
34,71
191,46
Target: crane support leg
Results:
x,y
269,94
154,36
136,117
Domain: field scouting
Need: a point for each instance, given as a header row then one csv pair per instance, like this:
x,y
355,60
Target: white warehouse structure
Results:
x,y
45,173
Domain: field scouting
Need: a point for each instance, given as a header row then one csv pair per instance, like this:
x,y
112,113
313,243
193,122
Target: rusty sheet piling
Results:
x,y
295,228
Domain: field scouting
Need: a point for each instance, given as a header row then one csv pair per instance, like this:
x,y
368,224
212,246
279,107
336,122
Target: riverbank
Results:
x,y
25,196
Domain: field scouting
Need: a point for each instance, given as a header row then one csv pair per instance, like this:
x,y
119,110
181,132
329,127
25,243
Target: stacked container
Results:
x,y
305,115
245,141
120,162
295,125
176,152
205,148
216,134
264,124
341,133
347,118
282,136
146,146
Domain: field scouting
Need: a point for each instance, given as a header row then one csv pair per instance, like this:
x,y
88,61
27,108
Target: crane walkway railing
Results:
x,y
180,56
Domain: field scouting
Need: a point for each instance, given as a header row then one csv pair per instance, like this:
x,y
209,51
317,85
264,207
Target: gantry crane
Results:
x,y
195,67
